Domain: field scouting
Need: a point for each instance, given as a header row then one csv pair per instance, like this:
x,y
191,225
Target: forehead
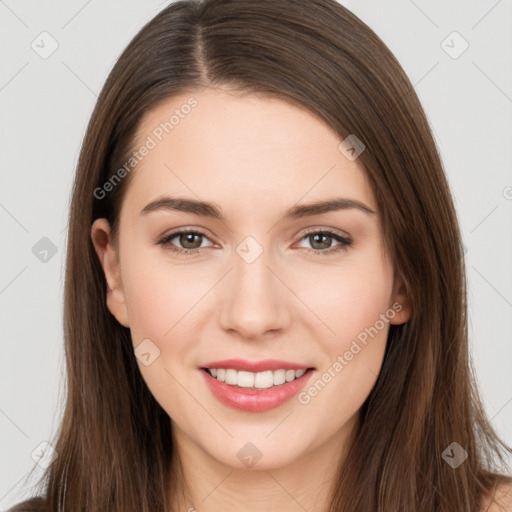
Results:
x,y
241,151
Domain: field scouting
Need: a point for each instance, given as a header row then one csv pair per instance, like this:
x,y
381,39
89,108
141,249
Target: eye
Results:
x,y
188,238
323,241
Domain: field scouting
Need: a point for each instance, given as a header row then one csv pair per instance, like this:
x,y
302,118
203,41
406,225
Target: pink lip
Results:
x,y
255,366
255,400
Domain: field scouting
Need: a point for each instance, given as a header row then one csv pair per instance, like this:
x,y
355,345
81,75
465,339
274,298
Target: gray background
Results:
x,y
46,104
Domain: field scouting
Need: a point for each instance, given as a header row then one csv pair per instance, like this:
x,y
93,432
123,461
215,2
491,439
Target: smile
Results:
x,y
251,380
255,392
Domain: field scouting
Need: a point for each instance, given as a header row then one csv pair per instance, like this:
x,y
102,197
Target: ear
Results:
x,y
400,302
109,259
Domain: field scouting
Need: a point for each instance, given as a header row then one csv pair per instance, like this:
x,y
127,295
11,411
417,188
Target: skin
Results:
x,y
288,304
501,501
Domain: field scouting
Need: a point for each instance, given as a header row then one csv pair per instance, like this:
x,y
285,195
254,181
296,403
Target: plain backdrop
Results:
x,y
46,102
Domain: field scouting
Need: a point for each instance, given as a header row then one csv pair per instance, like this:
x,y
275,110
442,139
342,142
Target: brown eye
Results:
x,y
324,241
321,242
188,241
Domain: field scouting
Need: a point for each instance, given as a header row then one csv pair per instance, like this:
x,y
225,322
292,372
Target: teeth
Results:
x,y
259,380
244,379
231,377
263,380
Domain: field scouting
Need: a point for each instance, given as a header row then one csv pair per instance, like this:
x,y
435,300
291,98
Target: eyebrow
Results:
x,y
212,210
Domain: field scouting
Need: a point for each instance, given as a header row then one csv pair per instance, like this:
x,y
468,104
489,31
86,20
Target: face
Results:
x,y
249,279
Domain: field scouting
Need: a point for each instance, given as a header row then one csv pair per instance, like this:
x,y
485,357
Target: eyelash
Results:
x,y
345,242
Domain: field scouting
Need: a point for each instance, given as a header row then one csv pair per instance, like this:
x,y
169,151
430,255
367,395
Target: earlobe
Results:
x,y
400,303
107,254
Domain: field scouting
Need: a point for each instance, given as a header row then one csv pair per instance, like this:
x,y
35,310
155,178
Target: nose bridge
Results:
x,y
255,303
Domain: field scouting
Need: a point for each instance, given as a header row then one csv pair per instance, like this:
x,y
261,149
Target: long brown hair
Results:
x,y
114,443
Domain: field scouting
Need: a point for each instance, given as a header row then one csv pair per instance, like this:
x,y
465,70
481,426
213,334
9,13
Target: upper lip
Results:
x,y
256,366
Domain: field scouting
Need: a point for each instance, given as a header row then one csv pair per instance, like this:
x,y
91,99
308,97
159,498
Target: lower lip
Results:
x,y
255,400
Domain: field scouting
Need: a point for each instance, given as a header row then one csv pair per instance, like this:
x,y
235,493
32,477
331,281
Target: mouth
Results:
x,y
256,380
255,392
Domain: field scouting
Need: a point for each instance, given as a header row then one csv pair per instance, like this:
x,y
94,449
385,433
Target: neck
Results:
x,y
305,483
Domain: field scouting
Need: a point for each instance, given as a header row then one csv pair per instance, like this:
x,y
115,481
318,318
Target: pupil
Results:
x,y
324,245
189,239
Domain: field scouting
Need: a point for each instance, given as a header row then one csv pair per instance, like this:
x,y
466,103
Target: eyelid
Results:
x,y
186,229
179,231
325,229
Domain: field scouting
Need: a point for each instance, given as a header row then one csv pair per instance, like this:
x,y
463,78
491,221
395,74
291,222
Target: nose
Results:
x,y
255,301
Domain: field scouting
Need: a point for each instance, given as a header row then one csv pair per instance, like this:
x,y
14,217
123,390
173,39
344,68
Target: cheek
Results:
x,y
160,301
360,323
348,299
353,302
158,296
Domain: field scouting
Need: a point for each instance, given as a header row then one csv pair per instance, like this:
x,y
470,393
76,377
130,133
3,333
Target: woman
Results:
x,y
214,360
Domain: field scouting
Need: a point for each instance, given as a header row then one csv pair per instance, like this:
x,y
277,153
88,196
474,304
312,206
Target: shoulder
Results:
x,y
36,504
501,501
